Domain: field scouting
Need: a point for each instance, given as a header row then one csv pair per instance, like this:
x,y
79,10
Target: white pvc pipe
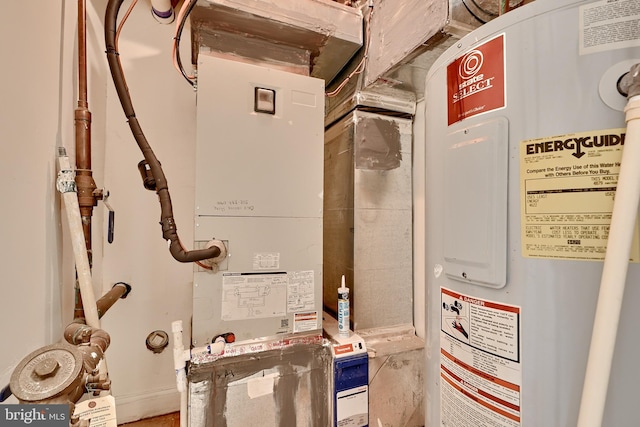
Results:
x,y
70,198
66,186
614,275
162,11
180,358
184,402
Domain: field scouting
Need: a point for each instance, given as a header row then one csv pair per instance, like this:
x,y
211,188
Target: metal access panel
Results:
x,y
259,183
475,203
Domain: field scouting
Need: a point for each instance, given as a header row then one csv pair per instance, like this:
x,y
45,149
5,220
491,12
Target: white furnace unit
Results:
x,y
524,135
259,166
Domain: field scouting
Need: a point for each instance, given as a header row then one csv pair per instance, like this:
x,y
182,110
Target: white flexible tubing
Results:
x,y
614,275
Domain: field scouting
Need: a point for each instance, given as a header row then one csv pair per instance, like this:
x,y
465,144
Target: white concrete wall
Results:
x,y
39,92
32,124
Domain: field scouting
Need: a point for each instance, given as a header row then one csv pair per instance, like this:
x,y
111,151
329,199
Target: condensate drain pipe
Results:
x,y
169,229
180,359
616,264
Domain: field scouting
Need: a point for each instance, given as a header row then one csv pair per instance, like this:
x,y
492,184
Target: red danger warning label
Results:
x,y
475,81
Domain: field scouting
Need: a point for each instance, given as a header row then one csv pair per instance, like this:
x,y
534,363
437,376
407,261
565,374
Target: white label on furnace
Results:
x,y
266,261
303,322
480,364
253,295
301,291
607,25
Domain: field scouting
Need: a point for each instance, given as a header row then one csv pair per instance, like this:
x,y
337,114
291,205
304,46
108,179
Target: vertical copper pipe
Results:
x,y
85,184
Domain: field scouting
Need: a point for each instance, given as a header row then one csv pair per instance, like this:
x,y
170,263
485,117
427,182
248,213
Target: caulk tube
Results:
x,y
343,309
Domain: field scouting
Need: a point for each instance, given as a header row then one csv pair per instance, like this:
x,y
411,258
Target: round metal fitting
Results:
x,y
157,341
47,372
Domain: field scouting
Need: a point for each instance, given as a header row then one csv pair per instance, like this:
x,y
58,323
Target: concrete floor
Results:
x,y
169,420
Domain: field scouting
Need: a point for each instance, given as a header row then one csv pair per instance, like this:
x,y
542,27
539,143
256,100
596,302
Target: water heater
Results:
x,y
524,134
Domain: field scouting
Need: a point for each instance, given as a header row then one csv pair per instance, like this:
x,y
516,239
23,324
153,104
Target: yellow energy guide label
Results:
x,y
567,189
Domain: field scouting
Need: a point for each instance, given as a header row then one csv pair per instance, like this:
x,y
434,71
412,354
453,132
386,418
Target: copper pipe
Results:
x,y
84,180
119,290
85,184
91,342
78,309
82,57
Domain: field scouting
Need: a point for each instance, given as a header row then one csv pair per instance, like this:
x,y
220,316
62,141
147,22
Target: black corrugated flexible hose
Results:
x,y
169,229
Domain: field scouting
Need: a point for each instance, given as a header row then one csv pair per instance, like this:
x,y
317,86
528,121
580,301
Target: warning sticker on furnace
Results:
x,y
476,81
567,188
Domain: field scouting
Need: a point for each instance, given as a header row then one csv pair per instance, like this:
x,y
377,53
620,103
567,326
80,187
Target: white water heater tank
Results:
x,y
524,134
